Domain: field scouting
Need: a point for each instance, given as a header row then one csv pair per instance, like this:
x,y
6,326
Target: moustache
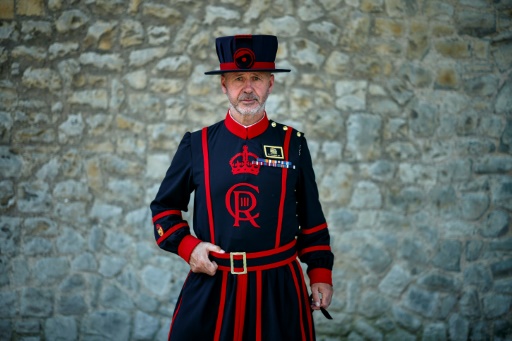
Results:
x,y
248,97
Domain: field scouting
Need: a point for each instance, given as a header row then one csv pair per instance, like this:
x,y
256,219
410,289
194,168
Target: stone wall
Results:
x,y
407,107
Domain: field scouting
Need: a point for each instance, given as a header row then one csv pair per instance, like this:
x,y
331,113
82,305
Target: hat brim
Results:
x,y
219,72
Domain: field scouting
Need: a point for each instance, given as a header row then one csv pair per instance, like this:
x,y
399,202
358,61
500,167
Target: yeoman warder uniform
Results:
x,y
255,197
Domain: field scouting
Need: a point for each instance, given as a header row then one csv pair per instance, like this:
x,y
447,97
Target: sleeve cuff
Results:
x,y
320,275
187,245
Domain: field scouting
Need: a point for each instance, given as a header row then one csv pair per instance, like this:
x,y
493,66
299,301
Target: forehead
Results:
x,y
231,75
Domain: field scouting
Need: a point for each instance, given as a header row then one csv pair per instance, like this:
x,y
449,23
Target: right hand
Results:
x,y
199,260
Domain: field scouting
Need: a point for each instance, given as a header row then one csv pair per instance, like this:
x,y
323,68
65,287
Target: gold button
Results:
x,y
298,134
274,124
285,128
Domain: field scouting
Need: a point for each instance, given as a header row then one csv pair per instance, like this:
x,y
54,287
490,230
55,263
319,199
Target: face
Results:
x,y
247,91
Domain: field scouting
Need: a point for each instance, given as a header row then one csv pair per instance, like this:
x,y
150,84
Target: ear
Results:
x,y
271,83
223,83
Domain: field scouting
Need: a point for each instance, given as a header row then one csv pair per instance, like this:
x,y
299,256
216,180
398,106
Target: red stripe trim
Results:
x,y
177,309
171,231
299,300
283,188
174,316
306,300
314,229
261,267
165,214
314,248
206,161
222,303
258,305
241,297
255,66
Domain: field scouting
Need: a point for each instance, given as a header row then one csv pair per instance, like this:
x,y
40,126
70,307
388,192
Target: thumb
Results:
x,y
214,248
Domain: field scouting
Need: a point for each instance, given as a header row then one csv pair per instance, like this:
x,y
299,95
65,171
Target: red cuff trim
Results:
x,y
165,214
314,229
187,245
320,275
314,248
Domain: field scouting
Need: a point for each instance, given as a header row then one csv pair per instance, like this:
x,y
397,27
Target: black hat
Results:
x,y
246,53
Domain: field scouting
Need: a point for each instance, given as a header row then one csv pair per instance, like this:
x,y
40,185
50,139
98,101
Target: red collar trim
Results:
x,y
246,132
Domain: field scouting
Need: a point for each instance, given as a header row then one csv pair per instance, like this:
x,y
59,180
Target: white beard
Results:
x,y
250,112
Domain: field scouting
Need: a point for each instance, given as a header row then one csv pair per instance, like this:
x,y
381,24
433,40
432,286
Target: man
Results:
x,y
256,209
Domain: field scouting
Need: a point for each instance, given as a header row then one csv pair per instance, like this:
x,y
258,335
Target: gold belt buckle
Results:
x,y
232,261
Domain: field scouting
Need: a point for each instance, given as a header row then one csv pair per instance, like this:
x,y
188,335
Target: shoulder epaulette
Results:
x,y
275,124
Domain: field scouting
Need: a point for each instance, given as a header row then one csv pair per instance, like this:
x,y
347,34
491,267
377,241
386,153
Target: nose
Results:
x,y
247,88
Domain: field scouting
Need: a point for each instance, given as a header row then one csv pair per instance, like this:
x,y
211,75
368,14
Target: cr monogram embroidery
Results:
x,y
241,201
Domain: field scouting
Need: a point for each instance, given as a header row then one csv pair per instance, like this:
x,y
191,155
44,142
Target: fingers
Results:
x,y
326,298
321,295
210,268
199,260
315,299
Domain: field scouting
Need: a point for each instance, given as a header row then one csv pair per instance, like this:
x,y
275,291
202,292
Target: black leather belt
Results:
x,y
239,263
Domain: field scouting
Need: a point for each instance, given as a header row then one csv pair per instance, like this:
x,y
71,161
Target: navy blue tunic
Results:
x,y
254,190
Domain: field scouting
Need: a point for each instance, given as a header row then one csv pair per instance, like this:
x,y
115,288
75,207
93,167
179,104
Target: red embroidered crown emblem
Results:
x,y
240,163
